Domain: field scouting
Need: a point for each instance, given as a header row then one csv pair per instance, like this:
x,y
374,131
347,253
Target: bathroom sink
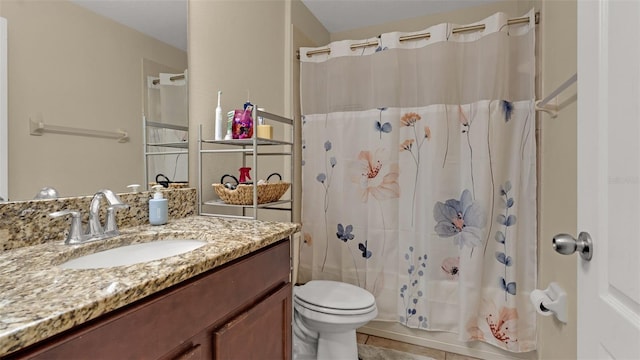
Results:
x,y
133,254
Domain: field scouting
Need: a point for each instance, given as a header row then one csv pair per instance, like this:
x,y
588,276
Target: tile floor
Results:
x,y
409,348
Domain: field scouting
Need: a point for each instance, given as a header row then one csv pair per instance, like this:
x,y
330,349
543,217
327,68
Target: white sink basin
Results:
x,y
133,254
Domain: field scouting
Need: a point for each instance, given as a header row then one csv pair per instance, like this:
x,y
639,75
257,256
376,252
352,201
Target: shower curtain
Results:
x,y
419,176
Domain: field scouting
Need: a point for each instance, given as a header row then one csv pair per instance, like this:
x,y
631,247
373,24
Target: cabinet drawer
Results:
x,y
157,325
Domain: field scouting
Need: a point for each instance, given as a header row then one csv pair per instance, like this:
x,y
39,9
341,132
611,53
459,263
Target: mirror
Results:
x,y
70,67
166,126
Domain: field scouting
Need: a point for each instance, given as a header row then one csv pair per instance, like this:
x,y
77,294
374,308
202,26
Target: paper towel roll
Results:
x,y
537,298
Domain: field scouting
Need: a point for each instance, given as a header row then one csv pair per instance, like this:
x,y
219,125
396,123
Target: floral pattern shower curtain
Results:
x,y
419,177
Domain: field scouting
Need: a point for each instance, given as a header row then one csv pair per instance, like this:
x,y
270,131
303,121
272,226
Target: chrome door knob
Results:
x,y
566,244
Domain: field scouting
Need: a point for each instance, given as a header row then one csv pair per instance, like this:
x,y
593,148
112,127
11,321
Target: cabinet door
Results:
x,y
193,353
261,333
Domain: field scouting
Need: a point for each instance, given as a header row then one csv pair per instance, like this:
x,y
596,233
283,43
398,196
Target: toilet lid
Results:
x,y
335,295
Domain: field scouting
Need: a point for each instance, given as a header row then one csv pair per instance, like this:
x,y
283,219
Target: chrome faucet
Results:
x,y
95,228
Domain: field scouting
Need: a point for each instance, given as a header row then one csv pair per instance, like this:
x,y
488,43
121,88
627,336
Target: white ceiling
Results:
x,y
342,15
166,20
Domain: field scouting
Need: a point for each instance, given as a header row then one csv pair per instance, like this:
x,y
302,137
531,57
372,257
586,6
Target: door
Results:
x,y
609,178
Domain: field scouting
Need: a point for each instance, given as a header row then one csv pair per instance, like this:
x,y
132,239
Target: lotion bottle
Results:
x,y
158,207
220,121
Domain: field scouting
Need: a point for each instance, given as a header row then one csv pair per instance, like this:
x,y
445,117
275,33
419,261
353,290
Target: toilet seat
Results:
x,y
333,311
330,311
336,298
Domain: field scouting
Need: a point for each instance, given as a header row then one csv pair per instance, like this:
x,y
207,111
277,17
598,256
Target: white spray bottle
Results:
x,y
220,121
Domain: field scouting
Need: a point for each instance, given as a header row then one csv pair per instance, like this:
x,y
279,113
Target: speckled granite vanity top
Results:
x,y
39,299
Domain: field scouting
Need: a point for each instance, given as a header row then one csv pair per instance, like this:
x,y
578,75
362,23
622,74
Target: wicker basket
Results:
x,y
243,194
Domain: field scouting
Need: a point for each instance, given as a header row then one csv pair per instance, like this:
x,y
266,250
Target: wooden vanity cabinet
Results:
x,y
241,310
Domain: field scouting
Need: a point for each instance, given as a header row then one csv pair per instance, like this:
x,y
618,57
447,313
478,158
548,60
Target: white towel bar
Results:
x,y
37,128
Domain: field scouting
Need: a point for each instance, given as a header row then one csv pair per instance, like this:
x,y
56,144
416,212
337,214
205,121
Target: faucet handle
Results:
x,y
111,227
75,232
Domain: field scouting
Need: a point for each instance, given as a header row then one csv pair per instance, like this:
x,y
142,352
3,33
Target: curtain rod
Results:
x,y
514,21
173,78
425,36
560,89
542,105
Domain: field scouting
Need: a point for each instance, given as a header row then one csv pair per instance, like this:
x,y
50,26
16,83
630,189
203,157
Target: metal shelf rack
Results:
x,y
181,147
248,148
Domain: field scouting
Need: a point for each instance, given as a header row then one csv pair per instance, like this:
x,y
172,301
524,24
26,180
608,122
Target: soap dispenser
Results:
x,y
158,207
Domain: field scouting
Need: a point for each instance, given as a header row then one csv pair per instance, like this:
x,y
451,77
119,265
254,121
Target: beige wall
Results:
x,y
237,47
557,161
558,172
307,32
71,67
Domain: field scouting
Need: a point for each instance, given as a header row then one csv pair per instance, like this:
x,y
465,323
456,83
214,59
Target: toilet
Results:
x,y
326,316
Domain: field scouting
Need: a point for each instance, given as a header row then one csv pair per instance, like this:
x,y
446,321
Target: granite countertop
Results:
x,y
39,299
